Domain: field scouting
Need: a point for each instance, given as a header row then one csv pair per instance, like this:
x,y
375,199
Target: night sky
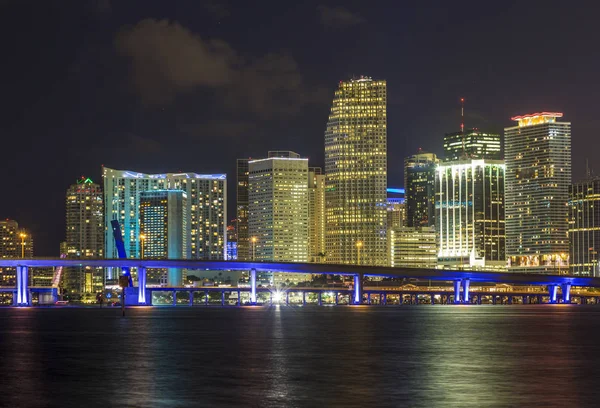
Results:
x,y
162,86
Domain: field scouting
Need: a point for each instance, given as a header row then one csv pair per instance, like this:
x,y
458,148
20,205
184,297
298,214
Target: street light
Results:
x,y
142,239
23,236
359,245
253,239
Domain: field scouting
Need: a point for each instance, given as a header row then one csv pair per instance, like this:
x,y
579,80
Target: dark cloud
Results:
x,y
217,9
167,59
338,17
143,144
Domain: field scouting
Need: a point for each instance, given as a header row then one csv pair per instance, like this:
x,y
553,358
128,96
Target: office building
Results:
x,y
164,233
356,173
206,209
243,242
472,144
470,217
316,215
419,183
232,241
538,176
15,242
279,207
84,238
584,227
413,247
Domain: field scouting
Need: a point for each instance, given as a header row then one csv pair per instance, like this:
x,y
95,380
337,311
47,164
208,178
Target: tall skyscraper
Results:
x,y
538,176
243,243
278,210
470,216
316,215
84,238
206,208
14,243
356,173
584,227
472,144
419,184
164,231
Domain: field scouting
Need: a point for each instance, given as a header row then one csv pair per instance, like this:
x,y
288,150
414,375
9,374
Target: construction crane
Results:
x,y
121,248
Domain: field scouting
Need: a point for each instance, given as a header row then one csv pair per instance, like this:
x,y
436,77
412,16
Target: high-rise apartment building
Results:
x,y
84,238
279,207
356,173
538,176
472,144
396,213
316,215
206,209
14,243
584,227
413,247
164,232
419,184
470,216
243,242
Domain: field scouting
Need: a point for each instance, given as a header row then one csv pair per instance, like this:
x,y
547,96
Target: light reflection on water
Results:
x,y
296,357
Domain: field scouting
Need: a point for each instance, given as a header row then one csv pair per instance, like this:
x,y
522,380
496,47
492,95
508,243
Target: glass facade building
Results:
x,y
316,215
470,214
584,227
243,243
356,173
472,144
12,245
538,176
419,184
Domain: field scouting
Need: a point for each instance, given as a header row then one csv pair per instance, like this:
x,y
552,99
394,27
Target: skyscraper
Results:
x,y
419,184
470,216
84,238
316,215
278,210
243,243
473,144
538,176
164,230
413,247
206,208
356,173
584,227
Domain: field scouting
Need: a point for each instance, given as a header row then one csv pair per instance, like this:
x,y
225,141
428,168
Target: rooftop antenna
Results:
x,y
587,169
462,125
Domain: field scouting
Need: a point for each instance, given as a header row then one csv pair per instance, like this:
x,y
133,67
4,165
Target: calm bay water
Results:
x,y
429,356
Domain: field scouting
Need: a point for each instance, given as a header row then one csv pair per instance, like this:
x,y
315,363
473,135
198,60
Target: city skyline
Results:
x,y
83,98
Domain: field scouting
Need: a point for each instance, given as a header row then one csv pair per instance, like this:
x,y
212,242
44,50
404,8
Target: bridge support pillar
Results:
x,y
303,298
466,298
174,298
510,299
191,298
253,286
239,299
320,298
358,289
493,299
457,291
337,298
141,270
525,299
539,299
287,298
222,298
384,299
23,298
566,292
552,292
432,298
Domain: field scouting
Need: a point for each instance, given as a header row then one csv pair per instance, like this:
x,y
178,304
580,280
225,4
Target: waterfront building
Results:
x,y
413,247
472,144
232,241
419,182
316,215
470,216
206,209
356,173
164,233
15,242
584,227
279,207
243,241
538,176
84,238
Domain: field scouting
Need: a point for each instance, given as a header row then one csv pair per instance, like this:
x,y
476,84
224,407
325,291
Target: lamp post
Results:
x,y
359,245
23,236
253,239
142,239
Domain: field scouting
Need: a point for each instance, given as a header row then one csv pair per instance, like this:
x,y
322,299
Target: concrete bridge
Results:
x,y
461,279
